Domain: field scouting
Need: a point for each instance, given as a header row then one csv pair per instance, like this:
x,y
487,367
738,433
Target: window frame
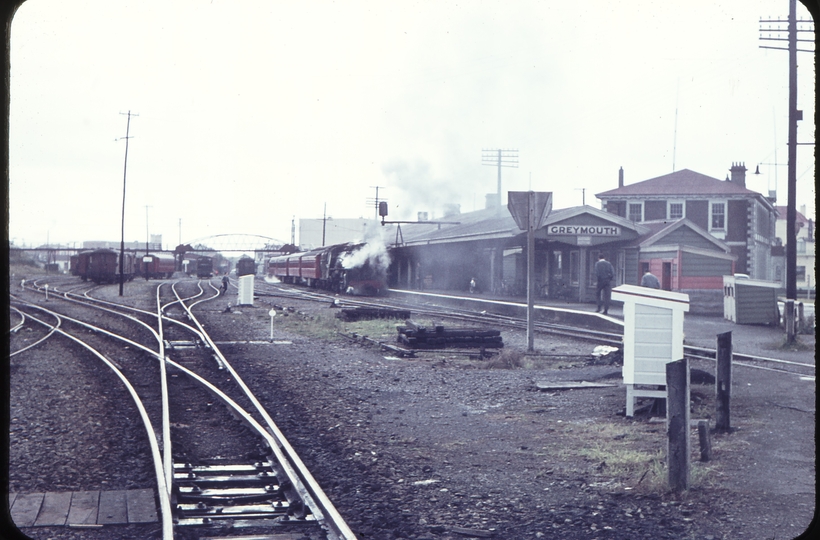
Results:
x,y
712,214
682,204
629,205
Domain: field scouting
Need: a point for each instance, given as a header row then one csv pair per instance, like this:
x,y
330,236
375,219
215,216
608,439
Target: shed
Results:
x,y
653,337
750,301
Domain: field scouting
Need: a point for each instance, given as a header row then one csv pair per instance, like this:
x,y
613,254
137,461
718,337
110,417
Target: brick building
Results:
x,y
742,219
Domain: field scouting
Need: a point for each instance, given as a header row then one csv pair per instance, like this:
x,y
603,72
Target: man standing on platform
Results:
x,y
605,274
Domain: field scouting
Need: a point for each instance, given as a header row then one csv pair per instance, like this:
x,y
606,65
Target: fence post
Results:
x,y
705,440
723,381
677,422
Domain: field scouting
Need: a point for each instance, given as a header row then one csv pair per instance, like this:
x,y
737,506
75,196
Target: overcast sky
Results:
x,y
253,113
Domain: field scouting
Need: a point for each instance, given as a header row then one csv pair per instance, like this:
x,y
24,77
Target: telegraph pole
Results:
x,y
124,171
499,158
794,116
376,201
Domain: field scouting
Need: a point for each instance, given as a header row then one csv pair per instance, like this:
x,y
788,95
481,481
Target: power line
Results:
x,y
499,158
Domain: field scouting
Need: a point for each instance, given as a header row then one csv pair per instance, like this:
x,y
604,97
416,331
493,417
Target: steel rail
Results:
x,y
19,325
314,497
42,339
579,333
164,499
167,454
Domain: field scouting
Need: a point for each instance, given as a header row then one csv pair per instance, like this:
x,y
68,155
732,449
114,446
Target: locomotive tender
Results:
x,y
324,268
245,266
103,266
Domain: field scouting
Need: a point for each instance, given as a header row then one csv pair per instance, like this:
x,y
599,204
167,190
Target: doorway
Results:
x,y
666,282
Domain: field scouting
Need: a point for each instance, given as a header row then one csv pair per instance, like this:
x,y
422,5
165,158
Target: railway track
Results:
x,y
485,318
249,478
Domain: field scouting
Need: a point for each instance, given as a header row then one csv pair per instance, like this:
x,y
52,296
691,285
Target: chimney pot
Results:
x,y
621,177
738,171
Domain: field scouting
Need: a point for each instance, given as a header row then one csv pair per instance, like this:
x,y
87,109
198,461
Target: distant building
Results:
x,y
805,274
741,218
154,245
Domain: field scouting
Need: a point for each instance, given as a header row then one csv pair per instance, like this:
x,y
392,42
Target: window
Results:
x,y
556,264
675,210
592,257
635,212
718,213
574,267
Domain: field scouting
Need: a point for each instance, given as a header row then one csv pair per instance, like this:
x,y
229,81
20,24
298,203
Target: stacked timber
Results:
x,y
414,336
364,313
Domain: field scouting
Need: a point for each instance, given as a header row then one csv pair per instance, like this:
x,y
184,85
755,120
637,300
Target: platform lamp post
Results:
x,y
530,209
122,230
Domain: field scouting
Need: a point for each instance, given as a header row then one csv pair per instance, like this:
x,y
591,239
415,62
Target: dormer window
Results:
x,y
635,212
675,210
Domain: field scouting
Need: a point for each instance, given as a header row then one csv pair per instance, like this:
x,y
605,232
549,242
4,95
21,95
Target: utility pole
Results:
x,y
794,116
147,230
375,202
499,158
124,171
324,224
583,195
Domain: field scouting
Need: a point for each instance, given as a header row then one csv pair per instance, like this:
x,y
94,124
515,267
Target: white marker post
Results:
x,y
272,314
46,288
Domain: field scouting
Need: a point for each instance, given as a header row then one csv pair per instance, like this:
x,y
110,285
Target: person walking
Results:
x,y
605,274
649,280
225,281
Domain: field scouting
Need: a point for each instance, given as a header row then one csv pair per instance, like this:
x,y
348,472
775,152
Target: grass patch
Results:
x,y
506,359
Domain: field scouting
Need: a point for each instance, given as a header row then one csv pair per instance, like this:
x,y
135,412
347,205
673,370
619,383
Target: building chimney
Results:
x,y
422,216
621,177
738,171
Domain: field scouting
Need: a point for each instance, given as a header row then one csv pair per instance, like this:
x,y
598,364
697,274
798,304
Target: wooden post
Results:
x,y
677,421
705,439
723,382
801,322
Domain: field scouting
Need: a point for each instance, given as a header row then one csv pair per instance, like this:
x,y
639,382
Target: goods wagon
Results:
x,y
103,266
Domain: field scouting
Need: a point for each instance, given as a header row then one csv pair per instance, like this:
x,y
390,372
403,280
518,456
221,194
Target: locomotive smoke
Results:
x,y
374,251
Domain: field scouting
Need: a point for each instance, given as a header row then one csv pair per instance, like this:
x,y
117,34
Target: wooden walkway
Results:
x,y
83,508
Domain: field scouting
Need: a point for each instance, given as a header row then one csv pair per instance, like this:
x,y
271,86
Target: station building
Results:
x,y
686,228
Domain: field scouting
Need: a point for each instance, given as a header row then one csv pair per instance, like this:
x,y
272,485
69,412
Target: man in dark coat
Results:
x,y
605,274
649,280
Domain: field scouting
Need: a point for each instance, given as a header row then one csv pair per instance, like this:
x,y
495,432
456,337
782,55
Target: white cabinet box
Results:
x,y
653,336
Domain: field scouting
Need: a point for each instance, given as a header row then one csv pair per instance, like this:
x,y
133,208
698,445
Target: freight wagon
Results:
x,y
103,266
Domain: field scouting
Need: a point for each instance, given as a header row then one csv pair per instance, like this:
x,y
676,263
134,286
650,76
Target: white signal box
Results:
x,y
653,337
245,290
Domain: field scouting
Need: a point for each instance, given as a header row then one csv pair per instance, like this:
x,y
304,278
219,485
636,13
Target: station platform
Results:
x,y
699,330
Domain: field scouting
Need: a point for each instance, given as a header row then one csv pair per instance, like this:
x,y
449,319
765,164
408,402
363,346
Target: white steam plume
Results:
x,y
374,250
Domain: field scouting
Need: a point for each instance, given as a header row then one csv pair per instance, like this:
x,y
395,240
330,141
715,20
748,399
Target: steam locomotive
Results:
x,y
355,269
